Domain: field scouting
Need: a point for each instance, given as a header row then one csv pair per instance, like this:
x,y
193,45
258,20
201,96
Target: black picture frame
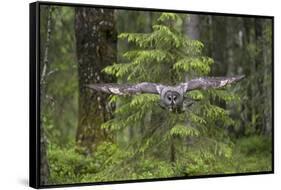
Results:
x,y
34,94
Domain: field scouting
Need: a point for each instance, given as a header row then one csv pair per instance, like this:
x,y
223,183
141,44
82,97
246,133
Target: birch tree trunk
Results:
x,y
44,164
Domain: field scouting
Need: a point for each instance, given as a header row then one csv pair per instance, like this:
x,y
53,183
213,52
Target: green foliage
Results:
x,y
255,145
111,162
197,65
66,165
182,130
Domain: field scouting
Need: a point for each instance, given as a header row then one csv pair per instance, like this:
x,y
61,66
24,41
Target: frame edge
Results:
x,y
34,158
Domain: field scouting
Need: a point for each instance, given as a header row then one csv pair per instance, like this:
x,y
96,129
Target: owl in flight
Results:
x,y
171,97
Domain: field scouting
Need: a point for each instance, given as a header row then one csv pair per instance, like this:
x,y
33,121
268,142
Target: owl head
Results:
x,y
171,98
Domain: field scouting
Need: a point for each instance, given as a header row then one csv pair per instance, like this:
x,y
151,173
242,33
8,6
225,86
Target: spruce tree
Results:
x,y
186,141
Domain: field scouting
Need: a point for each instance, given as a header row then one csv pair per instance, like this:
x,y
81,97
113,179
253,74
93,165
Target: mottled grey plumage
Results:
x,y
171,97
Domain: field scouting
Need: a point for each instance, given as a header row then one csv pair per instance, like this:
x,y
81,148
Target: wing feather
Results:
x,y
127,89
209,82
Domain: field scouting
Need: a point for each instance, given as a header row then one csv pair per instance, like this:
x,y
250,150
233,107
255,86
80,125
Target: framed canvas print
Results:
x,y
121,94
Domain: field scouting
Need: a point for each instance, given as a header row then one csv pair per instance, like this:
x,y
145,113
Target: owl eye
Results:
x,y
169,98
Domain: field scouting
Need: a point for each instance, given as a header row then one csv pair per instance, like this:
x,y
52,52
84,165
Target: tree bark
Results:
x,y
96,39
192,27
258,66
192,31
44,164
267,77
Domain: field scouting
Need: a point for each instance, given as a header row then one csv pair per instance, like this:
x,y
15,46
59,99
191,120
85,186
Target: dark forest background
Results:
x,y
89,137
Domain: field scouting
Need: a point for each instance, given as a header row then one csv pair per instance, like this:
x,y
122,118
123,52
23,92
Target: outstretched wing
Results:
x,y
127,89
209,82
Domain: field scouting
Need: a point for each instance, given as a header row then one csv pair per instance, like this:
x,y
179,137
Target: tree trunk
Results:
x,y
96,40
44,164
258,66
267,73
173,151
192,27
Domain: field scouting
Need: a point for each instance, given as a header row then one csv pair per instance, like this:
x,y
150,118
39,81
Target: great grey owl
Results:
x,y
171,97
